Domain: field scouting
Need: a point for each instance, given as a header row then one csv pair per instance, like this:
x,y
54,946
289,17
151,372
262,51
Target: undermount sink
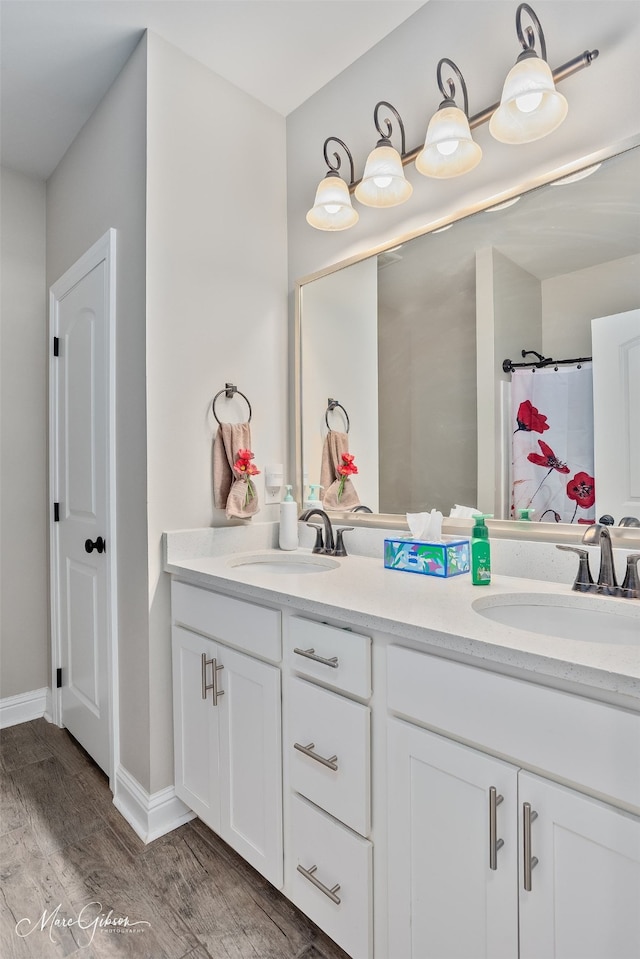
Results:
x,y
285,563
589,619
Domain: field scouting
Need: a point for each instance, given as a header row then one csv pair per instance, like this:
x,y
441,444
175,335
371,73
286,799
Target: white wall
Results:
x,y
480,37
340,360
24,629
216,312
571,301
508,320
101,183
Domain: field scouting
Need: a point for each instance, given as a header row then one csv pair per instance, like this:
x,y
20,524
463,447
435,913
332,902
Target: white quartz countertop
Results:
x,y
440,613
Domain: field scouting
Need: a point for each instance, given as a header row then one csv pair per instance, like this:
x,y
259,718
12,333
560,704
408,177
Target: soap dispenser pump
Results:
x,y
480,551
314,501
288,533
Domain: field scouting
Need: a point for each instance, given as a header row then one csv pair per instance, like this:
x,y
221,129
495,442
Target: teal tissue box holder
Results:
x,y
432,559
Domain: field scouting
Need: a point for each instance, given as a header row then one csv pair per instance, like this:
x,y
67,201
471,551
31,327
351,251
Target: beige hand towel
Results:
x,y
232,492
335,444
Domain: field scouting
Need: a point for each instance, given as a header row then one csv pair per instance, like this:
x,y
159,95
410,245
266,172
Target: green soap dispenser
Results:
x,y
525,513
480,552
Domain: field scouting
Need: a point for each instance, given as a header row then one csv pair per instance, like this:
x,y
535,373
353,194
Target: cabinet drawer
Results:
x,y
246,626
336,729
343,865
349,652
580,741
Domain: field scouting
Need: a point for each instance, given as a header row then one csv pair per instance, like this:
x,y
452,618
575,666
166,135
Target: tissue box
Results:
x,y
449,558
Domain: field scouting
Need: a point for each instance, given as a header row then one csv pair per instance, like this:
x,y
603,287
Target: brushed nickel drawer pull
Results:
x,y
216,692
494,843
332,762
530,862
311,654
330,893
205,685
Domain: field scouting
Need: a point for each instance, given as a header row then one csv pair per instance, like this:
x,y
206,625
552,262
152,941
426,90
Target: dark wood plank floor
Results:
x,y
67,854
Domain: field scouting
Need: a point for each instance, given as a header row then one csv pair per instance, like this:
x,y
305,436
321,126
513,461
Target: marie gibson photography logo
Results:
x,y
90,919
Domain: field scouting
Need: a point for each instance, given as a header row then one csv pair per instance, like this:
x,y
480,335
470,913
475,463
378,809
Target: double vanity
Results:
x,y
426,769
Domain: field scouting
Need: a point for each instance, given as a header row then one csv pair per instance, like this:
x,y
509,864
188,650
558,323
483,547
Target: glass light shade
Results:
x,y
332,209
383,182
449,149
530,106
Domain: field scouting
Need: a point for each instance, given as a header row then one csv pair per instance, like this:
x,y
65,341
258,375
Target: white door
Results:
x,y
452,884
616,406
81,307
195,724
251,761
584,901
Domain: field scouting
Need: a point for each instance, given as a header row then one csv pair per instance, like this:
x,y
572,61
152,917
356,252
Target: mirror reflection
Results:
x,y
411,343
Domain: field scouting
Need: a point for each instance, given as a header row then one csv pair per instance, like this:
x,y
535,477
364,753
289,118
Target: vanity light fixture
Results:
x,y
579,175
332,209
530,106
449,149
383,182
503,206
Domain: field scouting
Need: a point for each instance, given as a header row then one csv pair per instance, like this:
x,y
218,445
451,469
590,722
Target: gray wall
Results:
x,y
101,183
23,431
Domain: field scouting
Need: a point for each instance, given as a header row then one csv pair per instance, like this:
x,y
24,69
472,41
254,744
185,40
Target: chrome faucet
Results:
x,y
607,582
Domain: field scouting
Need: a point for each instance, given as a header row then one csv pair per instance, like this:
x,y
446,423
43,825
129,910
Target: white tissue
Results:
x,y
426,526
464,511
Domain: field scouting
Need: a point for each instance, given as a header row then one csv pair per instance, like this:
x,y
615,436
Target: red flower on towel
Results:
x,y
528,418
581,489
347,468
548,459
245,469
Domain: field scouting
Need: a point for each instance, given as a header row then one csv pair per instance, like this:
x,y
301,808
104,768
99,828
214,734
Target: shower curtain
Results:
x,y
552,444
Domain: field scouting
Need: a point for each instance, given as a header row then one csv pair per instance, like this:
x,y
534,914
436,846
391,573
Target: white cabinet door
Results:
x,y
251,761
445,900
195,722
584,901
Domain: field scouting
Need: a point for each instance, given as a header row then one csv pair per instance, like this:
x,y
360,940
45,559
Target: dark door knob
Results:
x,y
99,545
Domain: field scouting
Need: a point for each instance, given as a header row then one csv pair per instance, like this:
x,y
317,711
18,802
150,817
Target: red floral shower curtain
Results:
x,y
552,444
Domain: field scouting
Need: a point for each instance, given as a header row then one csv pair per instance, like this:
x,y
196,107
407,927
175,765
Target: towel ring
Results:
x,y
333,404
229,392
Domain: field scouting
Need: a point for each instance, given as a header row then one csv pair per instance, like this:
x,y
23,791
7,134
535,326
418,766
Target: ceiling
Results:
x,y
59,57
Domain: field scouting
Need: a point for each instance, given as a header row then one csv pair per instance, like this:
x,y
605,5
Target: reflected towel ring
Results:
x,y
229,392
333,404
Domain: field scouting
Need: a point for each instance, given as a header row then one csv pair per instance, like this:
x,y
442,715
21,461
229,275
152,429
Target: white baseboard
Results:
x,y
149,815
24,707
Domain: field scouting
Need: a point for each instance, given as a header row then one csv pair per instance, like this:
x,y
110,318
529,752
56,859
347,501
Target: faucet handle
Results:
x,y
631,585
340,549
583,582
318,546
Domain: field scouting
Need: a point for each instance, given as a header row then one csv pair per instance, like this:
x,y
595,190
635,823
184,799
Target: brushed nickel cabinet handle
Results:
x,y
206,686
311,654
330,893
216,692
530,862
494,843
332,762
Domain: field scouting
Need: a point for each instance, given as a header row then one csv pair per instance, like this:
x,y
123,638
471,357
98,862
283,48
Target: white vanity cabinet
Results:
x,y
327,741
227,722
487,859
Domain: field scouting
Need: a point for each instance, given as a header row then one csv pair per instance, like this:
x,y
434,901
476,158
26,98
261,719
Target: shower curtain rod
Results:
x,y
508,366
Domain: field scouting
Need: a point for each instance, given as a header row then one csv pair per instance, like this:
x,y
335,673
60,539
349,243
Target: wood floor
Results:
x,y
63,844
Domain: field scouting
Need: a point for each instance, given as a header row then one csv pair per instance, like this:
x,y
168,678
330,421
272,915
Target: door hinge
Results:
x,y
59,677
56,346
56,512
